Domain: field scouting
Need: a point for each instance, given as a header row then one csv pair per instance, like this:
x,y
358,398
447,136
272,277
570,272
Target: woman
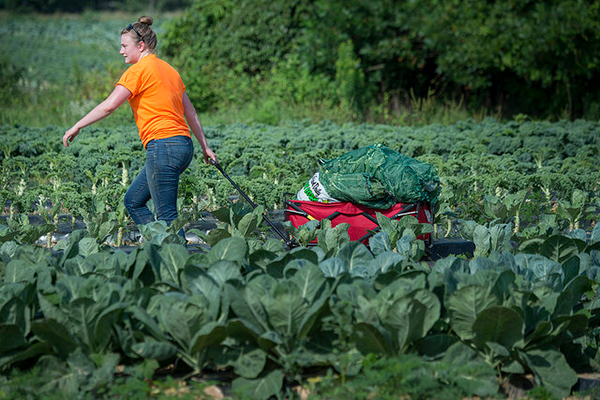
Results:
x,y
161,108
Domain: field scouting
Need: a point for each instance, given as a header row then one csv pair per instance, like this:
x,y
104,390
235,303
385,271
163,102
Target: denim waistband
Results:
x,y
172,139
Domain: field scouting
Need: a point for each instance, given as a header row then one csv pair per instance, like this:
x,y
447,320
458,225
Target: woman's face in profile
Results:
x,y
130,49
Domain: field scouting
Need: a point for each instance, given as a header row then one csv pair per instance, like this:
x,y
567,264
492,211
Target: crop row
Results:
x,y
268,318
536,175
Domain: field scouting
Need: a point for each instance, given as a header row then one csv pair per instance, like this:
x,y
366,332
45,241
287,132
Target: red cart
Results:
x,y
362,220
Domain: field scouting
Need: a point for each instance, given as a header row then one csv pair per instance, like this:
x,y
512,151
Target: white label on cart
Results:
x,y
315,191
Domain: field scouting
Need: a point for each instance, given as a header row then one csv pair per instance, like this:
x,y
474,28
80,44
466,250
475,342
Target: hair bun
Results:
x,y
145,20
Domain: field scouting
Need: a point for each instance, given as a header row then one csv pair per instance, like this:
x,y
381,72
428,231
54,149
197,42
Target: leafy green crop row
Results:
x,y
269,318
535,175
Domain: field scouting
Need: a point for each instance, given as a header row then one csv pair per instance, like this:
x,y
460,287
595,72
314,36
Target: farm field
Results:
x,y
525,173
92,306
265,320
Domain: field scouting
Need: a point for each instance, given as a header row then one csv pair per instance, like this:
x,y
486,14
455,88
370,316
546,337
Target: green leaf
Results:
x,y
478,378
140,314
249,223
273,246
571,295
435,345
153,258
248,362
104,373
269,340
81,313
504,285
386,261
333,267
232,249
461,353
469,371
210,334
543,268
380,243
595,236
465,305
313,255
531,246
407,317
182,316
19,271
499,325
174,257
56,334
225,271
241,331
6,237
371,339
333,238
494,207
197,280
261,258
32,233
248,306
78,266
404,245
285,309
559,248
12,338
156,233
310,281
498,349
104,324
14,312
482,241
571,269
261,388
106,229
81,365
305,233
31,352
356,256
52,311
412,317
215,236
391,227
553,371
311,317
541,331
577,326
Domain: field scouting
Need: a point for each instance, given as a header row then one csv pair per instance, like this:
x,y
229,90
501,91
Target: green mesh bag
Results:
x,y
379,177
365,189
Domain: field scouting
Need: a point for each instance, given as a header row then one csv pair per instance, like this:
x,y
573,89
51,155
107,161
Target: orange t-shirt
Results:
x,y
156,99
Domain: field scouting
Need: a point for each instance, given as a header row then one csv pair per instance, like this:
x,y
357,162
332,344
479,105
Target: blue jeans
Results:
x,y
158,180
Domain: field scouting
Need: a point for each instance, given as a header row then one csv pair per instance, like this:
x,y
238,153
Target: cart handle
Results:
x,y
290,243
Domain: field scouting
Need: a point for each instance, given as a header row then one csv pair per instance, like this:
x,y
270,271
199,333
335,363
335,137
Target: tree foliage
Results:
x,y
521,56
219,43
52,6
518,47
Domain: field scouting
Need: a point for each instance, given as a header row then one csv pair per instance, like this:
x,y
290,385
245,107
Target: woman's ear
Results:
x,y
142,46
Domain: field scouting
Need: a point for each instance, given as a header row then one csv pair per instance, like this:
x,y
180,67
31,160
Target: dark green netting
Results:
x,y
379,177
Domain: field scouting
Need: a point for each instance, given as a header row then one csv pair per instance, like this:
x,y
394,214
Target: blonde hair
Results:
x,y
141,31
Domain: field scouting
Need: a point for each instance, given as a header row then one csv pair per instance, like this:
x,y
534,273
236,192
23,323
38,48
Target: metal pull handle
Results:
x,y
290,243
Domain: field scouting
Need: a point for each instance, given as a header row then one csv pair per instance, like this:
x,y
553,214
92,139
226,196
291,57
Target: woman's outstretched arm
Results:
x,y
102,110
